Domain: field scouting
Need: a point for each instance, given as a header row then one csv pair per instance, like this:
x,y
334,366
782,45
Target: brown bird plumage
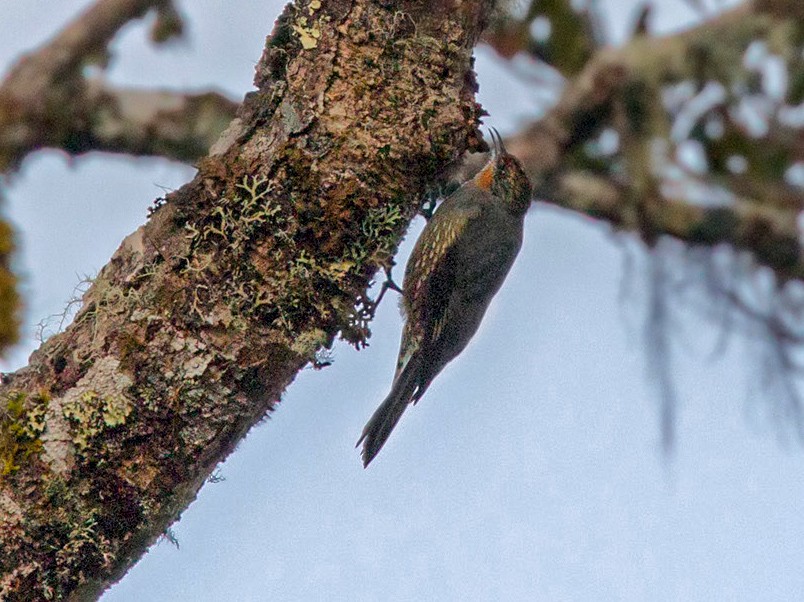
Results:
x,y
458,264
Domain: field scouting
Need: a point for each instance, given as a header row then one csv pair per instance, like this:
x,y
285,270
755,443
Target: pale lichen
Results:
x,y
97,402
308,343
308,29
91,413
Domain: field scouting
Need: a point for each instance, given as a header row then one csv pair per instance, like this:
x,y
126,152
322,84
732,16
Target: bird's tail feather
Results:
x,y
383,421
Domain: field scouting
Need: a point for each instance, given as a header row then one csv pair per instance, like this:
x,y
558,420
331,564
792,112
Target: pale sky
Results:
x,y
531,469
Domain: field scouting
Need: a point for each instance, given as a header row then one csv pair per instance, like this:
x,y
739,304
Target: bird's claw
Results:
x,y
389,283
368,306
429,207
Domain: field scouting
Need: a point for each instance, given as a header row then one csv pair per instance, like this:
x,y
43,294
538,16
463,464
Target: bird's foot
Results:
x,y
429,207
388,284
433,196
368,307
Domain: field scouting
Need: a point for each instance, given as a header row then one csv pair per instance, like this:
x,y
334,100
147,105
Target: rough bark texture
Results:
x,y
204,315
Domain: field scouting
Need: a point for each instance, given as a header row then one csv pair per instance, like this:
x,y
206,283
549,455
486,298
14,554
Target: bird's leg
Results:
x,y
369,307
388,284
432,197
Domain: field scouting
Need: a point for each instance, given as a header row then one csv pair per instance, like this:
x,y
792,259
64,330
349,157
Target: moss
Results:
x,y
21,423
308,344
638,97
131,347
80,547
717,224
279,279
279,48
568,48
9,300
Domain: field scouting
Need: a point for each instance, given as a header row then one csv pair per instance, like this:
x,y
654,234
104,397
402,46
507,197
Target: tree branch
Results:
x,y
205,314
768,233
550,148
158,123
45,100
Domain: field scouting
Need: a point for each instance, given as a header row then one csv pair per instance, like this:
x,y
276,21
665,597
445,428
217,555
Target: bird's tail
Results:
x,y
383,421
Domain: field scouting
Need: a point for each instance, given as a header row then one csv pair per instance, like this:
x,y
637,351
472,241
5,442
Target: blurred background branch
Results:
x,y
48,100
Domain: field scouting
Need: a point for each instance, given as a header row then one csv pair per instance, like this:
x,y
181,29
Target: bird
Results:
x,y
456,267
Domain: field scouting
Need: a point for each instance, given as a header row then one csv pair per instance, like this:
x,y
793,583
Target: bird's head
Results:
x,y
504,177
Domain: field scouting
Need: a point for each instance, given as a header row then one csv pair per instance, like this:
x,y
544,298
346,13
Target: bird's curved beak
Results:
x,y
498,149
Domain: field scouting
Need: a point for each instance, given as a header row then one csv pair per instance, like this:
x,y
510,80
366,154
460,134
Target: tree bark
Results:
x,y
205,314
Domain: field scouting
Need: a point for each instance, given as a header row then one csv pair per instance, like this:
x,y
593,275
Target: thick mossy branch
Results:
x,y
205,314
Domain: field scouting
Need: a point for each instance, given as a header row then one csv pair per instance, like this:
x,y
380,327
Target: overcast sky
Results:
x,y
531,470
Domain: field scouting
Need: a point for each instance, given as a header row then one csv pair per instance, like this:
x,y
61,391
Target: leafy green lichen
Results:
x,y
279,279
22,421
91,414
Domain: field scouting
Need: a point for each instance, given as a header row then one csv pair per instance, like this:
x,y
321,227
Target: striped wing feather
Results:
x,y
429,273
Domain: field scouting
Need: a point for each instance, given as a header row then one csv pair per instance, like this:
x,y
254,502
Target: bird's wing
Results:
x,y
430,272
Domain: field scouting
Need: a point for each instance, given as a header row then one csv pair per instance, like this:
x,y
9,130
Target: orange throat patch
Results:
x,y
484,178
